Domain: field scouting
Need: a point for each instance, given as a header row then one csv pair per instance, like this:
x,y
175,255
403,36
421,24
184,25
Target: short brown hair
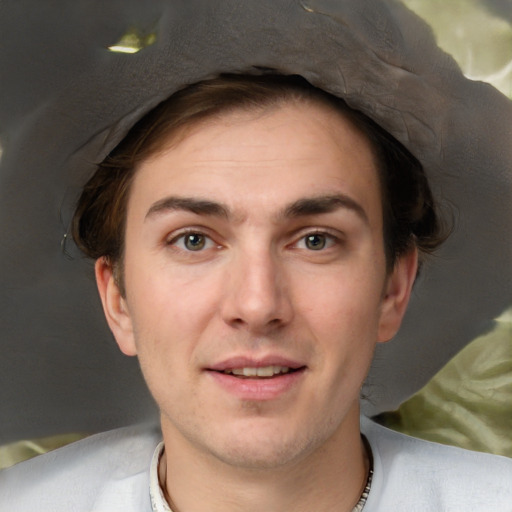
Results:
x,y
98,227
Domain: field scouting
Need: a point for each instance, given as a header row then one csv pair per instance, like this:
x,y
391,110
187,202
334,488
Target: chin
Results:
x,y
261,458
265,448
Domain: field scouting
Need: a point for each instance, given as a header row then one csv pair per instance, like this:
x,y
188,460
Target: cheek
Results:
x,y
169,308
342,314
342,302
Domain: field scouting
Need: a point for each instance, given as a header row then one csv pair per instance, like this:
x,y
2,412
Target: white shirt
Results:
x,y
158,502
117,472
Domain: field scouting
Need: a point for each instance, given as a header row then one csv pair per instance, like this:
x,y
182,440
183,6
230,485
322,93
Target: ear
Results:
x,y
115,307
396,294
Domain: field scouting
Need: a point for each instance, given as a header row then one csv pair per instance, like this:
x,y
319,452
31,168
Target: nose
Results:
x,y
256,295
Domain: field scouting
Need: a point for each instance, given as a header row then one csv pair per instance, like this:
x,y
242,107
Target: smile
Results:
x,y
260,383
264,371
258,378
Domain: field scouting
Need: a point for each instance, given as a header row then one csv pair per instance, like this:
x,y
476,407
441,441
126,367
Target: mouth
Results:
x,y
253,379
261,372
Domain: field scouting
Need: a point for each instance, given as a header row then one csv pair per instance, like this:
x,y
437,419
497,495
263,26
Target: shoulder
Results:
x,y
104,472
415,475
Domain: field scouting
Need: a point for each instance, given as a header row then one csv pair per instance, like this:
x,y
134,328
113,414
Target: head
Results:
x,y
256,227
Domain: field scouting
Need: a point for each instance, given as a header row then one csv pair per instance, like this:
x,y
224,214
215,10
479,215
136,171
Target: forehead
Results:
x,y
266,157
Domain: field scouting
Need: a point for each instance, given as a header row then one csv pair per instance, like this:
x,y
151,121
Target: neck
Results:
x,y
330,477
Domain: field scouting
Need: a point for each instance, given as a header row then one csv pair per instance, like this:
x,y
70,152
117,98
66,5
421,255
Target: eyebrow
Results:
x,y
324,204
301,208
190,204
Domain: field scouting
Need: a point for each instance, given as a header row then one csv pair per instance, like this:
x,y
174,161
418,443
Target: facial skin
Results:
x,y
283,266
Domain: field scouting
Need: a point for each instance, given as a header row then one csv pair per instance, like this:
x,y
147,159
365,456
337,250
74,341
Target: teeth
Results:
x,y
264,371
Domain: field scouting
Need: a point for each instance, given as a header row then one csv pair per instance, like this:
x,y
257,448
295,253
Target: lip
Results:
x,y
254,362
257,389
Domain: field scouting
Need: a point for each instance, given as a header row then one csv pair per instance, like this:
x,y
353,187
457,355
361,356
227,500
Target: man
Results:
x,y
252,280
254,240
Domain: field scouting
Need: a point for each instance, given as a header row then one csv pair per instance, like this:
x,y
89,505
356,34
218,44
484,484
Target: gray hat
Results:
x,y
67,100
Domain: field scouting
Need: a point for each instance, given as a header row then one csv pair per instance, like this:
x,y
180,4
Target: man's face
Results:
x,y
256,287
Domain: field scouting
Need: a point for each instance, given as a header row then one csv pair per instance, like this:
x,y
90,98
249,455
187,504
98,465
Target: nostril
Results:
x,y
252,324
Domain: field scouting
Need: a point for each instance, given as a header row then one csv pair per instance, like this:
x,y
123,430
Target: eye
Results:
x,y
316,241
192,241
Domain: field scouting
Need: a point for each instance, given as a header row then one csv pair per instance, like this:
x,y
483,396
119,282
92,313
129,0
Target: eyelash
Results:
x,y
182,235
329,239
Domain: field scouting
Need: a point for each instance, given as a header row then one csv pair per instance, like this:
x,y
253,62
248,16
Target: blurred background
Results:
x,y
477,33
